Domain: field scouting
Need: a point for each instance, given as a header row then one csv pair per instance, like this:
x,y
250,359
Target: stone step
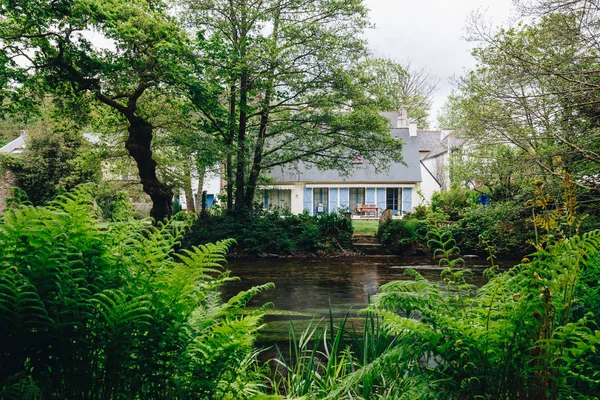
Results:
x,y
365,239
370,248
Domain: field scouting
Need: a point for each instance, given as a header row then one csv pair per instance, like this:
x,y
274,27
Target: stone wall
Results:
x,y
7,180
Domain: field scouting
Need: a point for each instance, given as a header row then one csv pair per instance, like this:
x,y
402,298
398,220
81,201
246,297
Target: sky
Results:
x,y
430,34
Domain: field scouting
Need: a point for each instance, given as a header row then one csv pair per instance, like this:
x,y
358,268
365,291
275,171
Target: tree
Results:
x,y
56,158
396,85
52,46
536,87
289,91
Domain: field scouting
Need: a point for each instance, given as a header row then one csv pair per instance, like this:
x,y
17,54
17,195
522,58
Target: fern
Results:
x,y
513,338
112,311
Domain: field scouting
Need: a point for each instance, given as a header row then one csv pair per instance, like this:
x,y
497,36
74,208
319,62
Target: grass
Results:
x,y
365,227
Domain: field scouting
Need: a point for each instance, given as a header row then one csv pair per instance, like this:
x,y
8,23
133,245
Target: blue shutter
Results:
x,y
308,195
345,197
381,200
406,200
266,199
370,196
333,195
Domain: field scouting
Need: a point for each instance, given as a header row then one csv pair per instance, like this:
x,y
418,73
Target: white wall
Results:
x,y
427,187
211,184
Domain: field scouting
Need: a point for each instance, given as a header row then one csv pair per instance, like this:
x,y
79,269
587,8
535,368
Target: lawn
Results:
x,y
365,227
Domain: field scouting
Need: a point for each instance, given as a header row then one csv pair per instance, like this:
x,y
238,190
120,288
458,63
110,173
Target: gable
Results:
x,y
16,146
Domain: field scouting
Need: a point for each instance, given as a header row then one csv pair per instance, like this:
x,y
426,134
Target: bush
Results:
x,y
113,202
452,202
403,234
53,163
502,226
275,231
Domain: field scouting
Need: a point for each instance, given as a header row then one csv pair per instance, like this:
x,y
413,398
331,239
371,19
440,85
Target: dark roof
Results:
x,y
397,172
454,141
428,139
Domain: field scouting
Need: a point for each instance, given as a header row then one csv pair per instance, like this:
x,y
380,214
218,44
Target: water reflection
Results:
x,y
311,285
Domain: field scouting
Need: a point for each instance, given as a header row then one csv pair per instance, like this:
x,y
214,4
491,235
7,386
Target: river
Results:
x,y
311,286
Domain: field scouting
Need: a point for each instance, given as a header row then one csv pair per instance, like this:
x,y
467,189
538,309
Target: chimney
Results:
x,y
402,120
22,133
412,129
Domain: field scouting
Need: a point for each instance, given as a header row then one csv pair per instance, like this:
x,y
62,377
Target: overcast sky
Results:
x,y
430,34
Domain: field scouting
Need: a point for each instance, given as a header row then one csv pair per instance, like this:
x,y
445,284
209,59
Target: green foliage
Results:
x,y
53,162
531,90
113,202
516,337
503,226
115,312
275,231
452,202
403,234
323,355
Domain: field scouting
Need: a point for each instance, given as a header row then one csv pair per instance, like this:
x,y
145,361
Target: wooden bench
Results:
x,y
368,210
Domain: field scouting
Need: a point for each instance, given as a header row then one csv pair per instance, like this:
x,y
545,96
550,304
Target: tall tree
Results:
x,y
55,44
290,92
396,85
536,87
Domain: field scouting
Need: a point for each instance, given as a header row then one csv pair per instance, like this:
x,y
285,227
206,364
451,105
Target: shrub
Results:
x,y
502,226
53,162
452,202
403,234
275,231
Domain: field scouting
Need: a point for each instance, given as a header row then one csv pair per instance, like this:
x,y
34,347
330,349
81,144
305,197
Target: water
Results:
x,y
311,286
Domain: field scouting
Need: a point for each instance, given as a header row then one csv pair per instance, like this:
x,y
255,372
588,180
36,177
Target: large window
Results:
x,y
275,198
357,196
320,200
393,197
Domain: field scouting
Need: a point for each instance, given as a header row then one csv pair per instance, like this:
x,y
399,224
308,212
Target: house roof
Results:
x,y
365,172
13,147
428,138
450,141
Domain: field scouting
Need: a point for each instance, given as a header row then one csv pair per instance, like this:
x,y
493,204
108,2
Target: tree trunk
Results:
x,y
258,153
201,173
231,135
240,173
187,186
264,120
138,145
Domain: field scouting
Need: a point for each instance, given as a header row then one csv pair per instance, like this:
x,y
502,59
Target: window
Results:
x,y
357,196
392,198
279,198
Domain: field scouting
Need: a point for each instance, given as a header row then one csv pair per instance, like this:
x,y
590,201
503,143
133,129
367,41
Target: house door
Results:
x,y
321,200
392,199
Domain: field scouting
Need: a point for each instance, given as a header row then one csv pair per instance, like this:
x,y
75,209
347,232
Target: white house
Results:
x,y
365,190
438,159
